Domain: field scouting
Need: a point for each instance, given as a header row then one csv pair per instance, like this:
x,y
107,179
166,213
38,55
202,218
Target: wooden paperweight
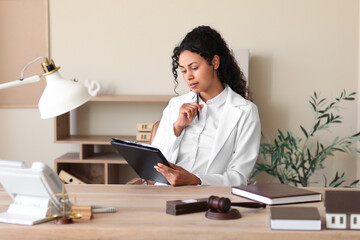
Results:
x,y
178,207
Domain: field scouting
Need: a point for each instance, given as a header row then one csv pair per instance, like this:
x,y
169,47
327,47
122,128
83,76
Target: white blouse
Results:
x,y
198,140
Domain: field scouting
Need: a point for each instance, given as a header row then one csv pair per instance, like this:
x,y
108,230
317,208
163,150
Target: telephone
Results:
x,y
34,190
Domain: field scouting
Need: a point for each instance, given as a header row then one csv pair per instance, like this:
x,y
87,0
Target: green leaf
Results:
x,y
345,144
314,100
334,141
337,181
316,126
352,151
281,134
322,100
356,135
339,149
305,133
313,106
353,184
324,116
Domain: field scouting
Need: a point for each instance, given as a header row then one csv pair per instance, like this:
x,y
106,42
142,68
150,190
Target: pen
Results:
x,y
197,100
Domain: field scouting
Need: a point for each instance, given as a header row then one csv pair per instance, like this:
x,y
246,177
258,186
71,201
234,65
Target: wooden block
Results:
x,y
145,127
143,136
178,207
85,211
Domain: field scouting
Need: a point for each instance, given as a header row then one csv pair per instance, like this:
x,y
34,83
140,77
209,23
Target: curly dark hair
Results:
x,y
207,42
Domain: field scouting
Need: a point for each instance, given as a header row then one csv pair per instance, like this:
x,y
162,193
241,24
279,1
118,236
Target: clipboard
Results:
x,y
142,158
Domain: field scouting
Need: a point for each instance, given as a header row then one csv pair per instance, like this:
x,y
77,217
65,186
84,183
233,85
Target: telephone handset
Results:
x,y
54,185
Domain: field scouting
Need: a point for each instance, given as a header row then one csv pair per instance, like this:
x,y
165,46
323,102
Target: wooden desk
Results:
x,y
141,215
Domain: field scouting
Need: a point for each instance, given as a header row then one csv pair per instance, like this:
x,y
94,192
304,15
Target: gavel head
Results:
x,y
219,204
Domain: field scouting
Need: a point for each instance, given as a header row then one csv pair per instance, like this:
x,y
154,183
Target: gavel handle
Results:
x,y
249,204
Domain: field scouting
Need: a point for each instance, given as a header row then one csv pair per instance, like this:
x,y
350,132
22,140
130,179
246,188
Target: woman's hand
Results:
x,y
177,176
187,113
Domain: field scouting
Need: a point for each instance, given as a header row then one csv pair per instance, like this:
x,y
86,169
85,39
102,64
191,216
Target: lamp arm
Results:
x,y
27,65
15,83
23,81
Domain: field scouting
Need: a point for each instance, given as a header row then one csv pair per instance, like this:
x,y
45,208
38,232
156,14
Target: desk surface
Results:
x,y
141,215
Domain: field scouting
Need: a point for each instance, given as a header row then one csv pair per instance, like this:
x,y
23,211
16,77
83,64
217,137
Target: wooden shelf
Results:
x,y
88,165
92,139
132,98
96,158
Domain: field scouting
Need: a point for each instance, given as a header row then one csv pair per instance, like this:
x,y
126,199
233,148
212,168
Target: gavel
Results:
x,y
218,208
222,204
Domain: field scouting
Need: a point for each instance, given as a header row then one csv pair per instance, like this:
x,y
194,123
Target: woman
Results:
x,y
215,141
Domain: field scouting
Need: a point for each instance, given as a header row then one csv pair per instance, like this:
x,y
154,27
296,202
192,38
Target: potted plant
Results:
x,y
293,160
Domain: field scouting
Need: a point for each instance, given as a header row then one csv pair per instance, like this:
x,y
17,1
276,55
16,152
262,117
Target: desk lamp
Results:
x,y
60,95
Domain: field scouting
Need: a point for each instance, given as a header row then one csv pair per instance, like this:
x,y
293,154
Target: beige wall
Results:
x,y
297,47
358,102
17,33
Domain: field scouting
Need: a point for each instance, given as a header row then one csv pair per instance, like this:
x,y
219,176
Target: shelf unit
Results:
x,y
89,165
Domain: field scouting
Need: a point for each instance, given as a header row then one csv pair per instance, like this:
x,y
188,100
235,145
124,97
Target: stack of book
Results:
x,y
144,132
284,218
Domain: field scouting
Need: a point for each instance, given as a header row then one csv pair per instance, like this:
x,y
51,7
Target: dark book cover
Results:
x,y
276,193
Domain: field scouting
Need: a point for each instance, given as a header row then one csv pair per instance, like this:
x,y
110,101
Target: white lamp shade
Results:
x,y
61,96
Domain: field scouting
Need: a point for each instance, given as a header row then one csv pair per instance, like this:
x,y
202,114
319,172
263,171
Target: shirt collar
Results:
x,y
221,97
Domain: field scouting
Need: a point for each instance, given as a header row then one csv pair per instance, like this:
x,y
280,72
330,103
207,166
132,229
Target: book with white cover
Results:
x,y
276,193
295,218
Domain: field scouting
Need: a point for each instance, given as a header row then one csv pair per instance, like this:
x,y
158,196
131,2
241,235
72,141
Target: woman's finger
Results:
x,y
192,109
176,167
188,109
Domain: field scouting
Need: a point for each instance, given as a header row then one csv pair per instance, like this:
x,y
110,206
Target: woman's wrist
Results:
x,y
198,180
177,129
